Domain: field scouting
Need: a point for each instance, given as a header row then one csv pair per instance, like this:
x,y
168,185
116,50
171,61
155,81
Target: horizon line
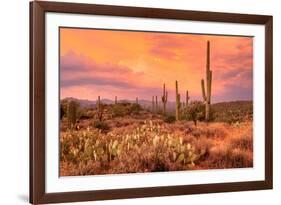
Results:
x,y
237,100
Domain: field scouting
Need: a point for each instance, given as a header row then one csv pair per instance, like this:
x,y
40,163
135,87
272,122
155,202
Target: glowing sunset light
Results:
x,y
130,64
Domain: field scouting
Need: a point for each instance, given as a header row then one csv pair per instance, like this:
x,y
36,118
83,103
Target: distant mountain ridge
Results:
x,y
170,105
92,103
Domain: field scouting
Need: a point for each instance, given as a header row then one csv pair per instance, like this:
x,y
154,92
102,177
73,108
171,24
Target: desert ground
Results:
x,y
127,137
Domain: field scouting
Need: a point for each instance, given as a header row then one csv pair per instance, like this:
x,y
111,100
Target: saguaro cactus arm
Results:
x,y
203,90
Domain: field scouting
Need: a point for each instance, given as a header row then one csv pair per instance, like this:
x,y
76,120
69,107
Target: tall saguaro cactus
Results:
x,y
164,99
137,100
100,109
115,100
178,103
207,93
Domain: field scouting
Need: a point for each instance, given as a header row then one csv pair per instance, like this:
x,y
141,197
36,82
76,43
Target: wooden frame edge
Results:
x,y
37,191
37,104
269,102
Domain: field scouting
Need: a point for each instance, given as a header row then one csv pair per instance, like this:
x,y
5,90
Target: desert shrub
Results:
x,y
63,108
194,111
225,157
90,113
81,113
147,148
233,147
232,116
119,110
242,142
72,113
153,146
135,108
215,130
233,112
101,125
244,138
169,119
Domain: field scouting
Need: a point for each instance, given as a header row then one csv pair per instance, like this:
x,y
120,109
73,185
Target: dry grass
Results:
x,y
152,146
235,150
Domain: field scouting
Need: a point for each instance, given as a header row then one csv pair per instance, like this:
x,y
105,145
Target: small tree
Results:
x,y
195,111
72,113
119,110
135,108
169,118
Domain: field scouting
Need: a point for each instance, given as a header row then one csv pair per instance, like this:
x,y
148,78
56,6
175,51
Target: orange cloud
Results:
x,y
129,64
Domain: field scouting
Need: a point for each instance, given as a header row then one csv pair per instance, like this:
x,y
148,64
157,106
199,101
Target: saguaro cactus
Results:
x,y
153,104
72,109
100,109
207,93
137,100
186,99
115,100
164,99
156,104
178,104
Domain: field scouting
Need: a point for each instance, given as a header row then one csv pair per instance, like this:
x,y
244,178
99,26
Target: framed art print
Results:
x,y
130,102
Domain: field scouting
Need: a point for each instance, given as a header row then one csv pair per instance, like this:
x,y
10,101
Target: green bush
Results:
x,y
169,119
233,112
231,117
103,126
119,110
135,108
195,111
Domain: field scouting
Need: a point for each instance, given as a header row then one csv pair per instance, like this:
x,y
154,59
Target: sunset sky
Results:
x,y
136,64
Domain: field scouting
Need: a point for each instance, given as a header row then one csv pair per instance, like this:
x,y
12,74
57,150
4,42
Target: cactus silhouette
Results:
x,y
153,104
99,109
115,100
178,103
164,99
186,99
206,94
72,113
156,104
137,100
